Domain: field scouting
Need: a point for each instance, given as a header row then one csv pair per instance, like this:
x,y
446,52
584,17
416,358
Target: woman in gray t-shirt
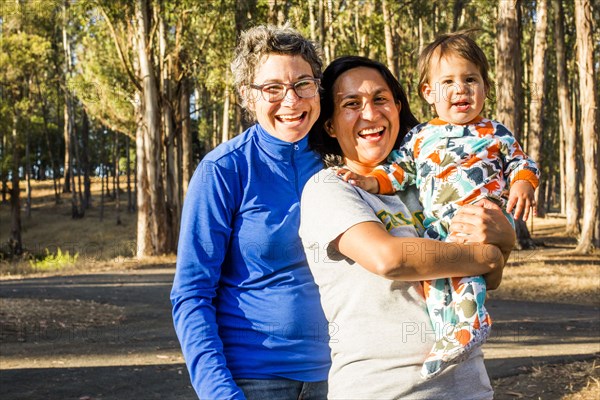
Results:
x,y
365,252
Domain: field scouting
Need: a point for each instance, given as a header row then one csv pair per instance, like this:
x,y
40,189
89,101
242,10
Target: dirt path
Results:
x,y
109,335
106,335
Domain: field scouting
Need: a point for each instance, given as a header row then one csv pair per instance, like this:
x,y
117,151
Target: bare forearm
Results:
x,y
411,259
421,259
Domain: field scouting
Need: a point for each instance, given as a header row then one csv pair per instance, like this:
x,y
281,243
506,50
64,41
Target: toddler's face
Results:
x,y
455,88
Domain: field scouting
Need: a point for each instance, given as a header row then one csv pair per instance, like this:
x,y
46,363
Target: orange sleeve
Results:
x,y
385,186
526,175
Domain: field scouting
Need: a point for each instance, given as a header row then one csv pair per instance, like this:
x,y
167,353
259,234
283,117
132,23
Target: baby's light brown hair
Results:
x,y
457,43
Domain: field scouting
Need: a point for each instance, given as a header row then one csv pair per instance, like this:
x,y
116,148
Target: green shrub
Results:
x,y
54,261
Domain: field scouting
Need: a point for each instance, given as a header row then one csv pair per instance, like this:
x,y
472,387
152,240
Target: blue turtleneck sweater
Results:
x,y
244,301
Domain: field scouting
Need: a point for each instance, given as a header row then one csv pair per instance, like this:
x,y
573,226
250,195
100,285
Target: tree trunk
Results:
x,y
215,128
312,20
53,163
509,99
27,176
144,241
151,193
102,173
364,42
68,108
589,124
570,177
187,167
15,242
244,10
272,18
226,105
85,161
321,30
538,90
457,14
3,170
118,176
79,209
67,138
168,107
130,206
390,49
74,206
331,43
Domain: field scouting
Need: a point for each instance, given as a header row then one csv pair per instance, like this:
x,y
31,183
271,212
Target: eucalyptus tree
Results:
x,y
588,97
22,52
142,58
538,96
570,181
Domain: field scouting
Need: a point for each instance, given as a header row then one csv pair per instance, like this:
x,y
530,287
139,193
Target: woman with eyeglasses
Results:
x,y
245,307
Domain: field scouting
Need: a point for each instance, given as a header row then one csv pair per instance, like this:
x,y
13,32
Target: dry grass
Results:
x,y
578,380
565,283
98,244
550,273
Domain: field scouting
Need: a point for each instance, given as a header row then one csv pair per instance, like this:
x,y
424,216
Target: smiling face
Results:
x,y
365,118
455,88
291,118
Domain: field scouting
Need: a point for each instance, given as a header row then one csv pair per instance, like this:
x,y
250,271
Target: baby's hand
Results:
x,y
522,199
367,183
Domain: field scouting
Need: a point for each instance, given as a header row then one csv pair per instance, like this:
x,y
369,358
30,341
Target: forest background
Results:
x,y
93,90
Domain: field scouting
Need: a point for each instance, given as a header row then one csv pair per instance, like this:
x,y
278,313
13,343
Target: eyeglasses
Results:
x,y
274,92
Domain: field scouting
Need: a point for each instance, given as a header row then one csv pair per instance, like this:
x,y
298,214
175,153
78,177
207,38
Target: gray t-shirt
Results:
x,y
380,332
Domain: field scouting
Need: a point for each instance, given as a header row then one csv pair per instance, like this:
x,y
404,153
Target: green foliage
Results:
x,y
199,40
53,261
100,81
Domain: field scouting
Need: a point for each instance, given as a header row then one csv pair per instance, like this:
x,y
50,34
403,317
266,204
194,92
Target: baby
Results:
x,y
455,159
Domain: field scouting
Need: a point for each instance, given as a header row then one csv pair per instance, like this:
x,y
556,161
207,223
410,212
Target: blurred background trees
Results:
x,y
142,89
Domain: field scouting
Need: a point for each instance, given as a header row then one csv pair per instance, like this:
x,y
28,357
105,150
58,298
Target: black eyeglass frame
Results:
x,y
288,86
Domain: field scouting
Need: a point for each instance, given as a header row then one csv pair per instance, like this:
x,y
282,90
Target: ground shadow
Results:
x,y
146,382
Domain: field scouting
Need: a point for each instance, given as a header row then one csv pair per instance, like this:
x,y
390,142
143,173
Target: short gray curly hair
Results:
x,y
258,42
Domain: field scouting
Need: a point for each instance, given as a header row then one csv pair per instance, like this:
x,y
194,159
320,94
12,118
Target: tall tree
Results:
x,y
509,70
567,125
458,13
589,126
68,104
389,38
22,52
538,91
152,236
16,241
85,161
509,98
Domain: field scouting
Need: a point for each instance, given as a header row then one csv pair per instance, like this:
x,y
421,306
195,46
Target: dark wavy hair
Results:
x,y
318,139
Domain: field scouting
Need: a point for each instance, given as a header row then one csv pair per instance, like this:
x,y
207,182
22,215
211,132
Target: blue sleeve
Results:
x,y
206,223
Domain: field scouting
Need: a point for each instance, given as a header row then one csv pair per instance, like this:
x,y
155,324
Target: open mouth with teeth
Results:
x,y
462,105
372,133
290,118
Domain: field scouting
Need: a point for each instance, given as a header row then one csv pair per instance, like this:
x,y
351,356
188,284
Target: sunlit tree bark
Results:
x,y
589,126
151,197
509,93
538,91
569,132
